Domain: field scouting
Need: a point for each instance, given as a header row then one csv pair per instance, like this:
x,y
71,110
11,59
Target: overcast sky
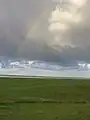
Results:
x,y
41,29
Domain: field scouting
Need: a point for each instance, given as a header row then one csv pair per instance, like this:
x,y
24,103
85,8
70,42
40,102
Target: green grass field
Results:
x,y
50,99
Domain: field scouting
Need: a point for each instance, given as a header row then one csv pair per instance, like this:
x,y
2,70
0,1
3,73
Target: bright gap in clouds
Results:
x,y
63,18
79,3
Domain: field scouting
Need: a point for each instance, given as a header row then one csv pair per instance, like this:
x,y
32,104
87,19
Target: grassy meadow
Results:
x,y
44,99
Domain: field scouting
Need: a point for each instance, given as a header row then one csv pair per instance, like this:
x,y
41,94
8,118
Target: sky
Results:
x,y
54,30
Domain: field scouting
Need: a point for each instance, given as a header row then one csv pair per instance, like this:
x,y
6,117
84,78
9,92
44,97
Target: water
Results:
x,y
46,73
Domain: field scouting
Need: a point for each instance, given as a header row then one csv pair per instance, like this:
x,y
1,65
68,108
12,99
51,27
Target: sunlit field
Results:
x,y
44,99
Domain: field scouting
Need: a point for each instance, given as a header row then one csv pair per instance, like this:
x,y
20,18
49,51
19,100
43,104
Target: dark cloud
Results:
x,y
15,18
18,17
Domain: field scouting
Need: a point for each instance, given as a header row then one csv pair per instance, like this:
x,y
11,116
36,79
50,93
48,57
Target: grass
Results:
x,y
44,99
54,112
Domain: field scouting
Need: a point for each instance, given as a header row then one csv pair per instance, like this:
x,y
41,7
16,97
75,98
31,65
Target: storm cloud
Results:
x,y
26,30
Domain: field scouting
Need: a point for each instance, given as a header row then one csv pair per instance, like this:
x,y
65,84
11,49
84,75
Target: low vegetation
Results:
x,y
44,99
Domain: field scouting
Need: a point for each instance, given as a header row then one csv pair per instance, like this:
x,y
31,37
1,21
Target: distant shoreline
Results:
x,y
43,77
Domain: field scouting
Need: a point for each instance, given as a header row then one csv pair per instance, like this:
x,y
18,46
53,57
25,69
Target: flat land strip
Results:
x,y
44,99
